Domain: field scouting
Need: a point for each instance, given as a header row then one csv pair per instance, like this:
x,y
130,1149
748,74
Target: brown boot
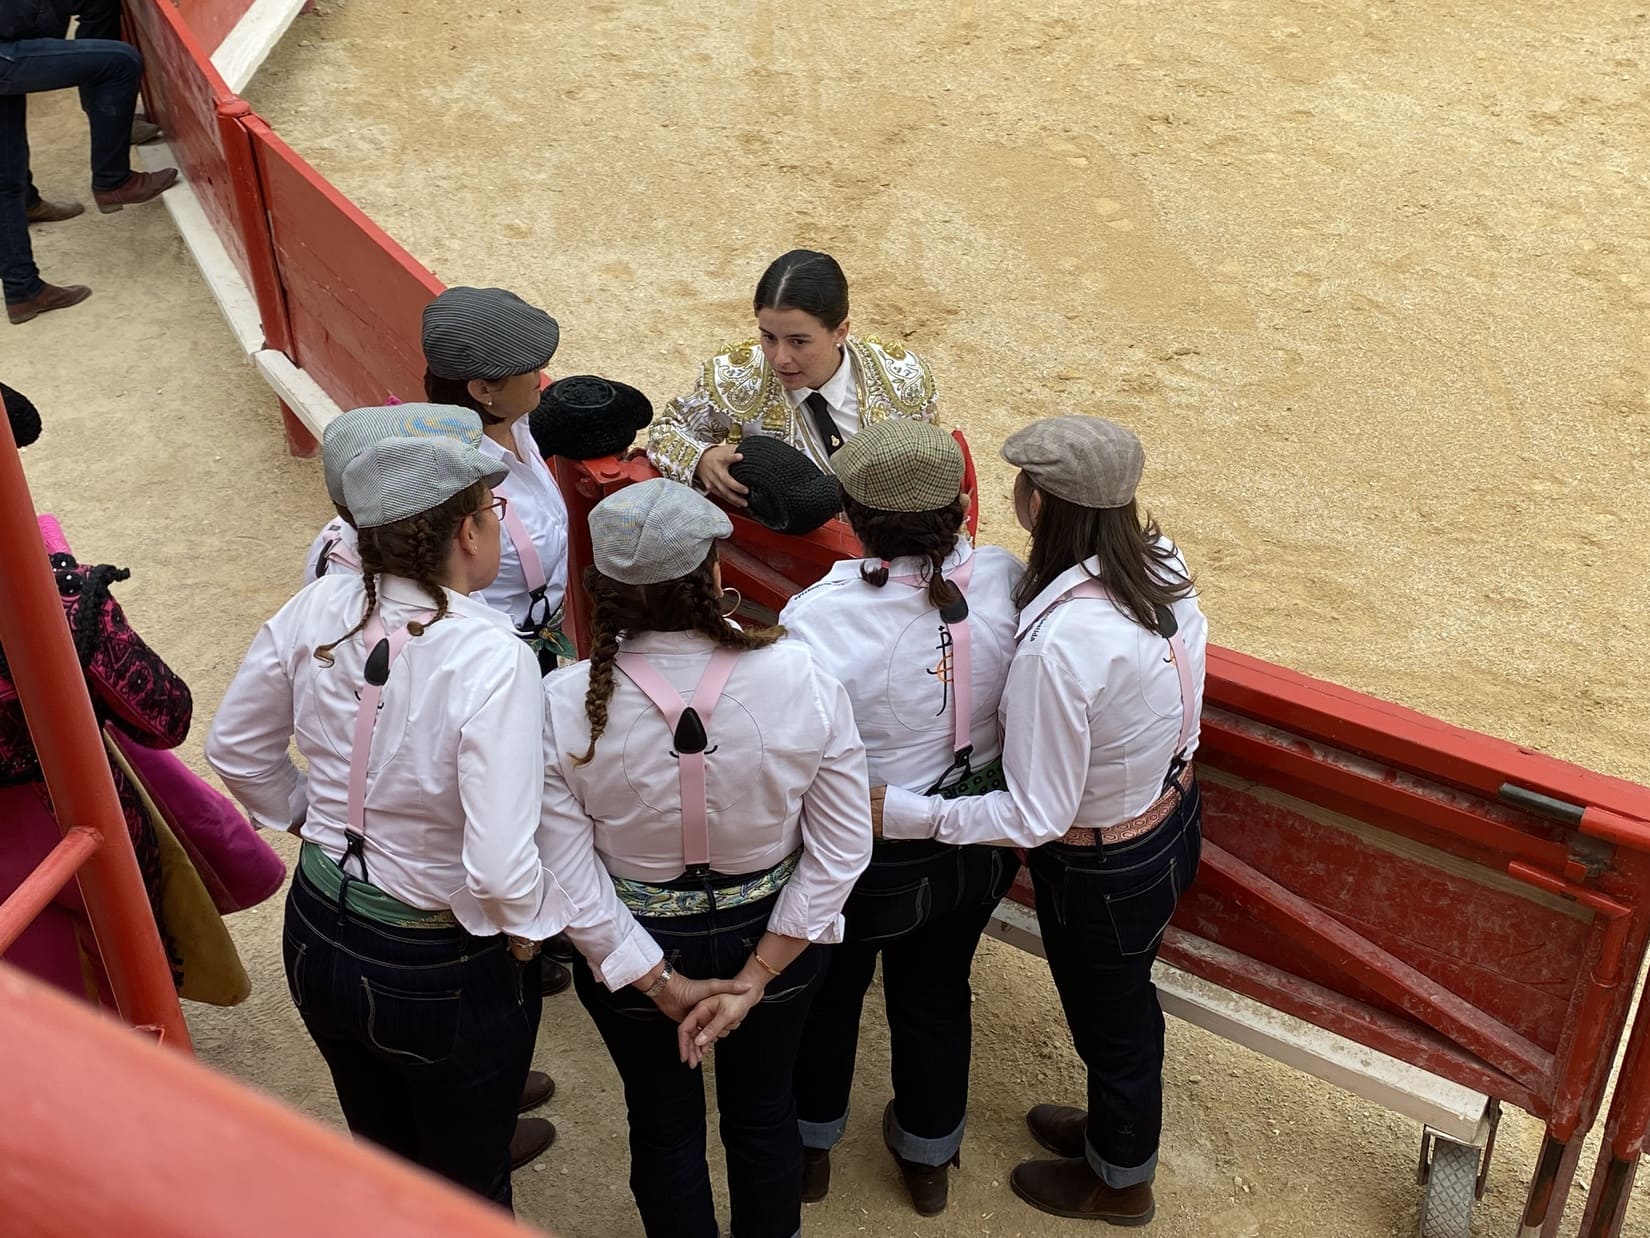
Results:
x,y
928,1185
816,1174
537,1091
1059,1128
48,212
139,187
533,1136
50,297
1069,1188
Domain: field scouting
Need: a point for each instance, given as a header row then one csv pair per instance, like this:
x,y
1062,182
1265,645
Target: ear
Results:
x,y
468,537
716,575
481,391
1035,507
841,332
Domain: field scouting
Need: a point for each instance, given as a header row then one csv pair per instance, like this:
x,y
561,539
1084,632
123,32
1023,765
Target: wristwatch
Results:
x,y
658,986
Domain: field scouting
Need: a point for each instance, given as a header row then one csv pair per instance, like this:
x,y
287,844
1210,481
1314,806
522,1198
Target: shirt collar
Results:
x,y
915,565
1068,579
835,389
666,642
409,593
523,437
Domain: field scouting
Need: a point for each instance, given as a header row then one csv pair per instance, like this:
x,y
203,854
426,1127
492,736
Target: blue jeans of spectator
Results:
x,y
428,1033
922,906
666,1101
1102,911
106,73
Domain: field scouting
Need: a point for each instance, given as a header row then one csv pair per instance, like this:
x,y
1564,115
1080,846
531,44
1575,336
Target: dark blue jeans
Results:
x,y
107,74
1102,911
666,1101
923,907
428,1033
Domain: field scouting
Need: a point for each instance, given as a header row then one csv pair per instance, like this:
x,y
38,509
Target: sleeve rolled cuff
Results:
x,y
907,815
267,815
536,920
786,922
635,956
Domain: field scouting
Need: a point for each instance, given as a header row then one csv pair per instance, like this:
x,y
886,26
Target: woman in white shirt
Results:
x,y
900,629
1100,718
413,921
724,836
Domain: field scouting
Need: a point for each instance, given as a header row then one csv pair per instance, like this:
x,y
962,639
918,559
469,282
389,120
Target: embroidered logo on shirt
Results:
x,y
942,669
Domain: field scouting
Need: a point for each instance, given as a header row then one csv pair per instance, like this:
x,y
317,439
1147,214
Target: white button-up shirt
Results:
x,y
453,786
785,769
1091,713
886,646
841,392
535,497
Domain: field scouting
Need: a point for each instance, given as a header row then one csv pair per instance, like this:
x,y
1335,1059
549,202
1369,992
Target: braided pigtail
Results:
x,y
369,583
604,655
930,535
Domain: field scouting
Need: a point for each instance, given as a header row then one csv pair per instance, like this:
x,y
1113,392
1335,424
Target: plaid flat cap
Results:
x,y
400,477
901,465
349,434
654,531
1085,460
486,333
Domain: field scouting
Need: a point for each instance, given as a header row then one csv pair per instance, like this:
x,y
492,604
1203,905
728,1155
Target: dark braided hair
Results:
x,y
930,535
687,604
415,548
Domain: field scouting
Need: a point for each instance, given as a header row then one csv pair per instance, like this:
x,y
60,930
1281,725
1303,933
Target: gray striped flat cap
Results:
x,y
654,531
486,333
349,434
400,477
901,465
1085,460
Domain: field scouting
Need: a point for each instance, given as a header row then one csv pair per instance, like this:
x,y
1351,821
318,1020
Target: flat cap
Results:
x,y
654,531
1085,460
396,478
901,465
486,333
585,417
788,493
349,434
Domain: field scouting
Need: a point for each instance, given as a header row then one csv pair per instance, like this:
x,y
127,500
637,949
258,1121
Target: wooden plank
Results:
x,y
246,47
298,390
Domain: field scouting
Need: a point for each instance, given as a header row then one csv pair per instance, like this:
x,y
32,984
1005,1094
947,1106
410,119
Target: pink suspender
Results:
x,y
687,726
1177,654
962,662
382,652
525,550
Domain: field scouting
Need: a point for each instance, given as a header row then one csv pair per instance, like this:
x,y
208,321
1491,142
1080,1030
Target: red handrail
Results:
x,y
58,708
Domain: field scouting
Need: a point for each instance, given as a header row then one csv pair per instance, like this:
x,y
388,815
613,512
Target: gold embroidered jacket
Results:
x,y
738,394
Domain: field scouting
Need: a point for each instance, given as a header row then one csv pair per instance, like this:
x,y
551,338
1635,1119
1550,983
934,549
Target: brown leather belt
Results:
x,y
1145,823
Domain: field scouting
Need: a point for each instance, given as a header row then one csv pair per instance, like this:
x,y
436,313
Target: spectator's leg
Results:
x,y
19,275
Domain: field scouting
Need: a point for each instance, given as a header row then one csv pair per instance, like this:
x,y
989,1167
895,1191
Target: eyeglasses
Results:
x,y
498,507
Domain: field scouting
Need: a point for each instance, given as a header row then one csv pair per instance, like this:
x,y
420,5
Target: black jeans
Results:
x,y
922,906
428,1033
1102,911
666,1101
107,74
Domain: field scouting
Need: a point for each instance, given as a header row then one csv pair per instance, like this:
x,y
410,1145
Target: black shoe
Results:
x,y
816,1174
928,1185
555,978
1059,1128
533,1136
537,1091
559,949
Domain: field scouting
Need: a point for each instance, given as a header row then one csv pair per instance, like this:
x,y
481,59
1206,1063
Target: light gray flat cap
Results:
x,y
486,333
400,477
654,531
1085,460
348,434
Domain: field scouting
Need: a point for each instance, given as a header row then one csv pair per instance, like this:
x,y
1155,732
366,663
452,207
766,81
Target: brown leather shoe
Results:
x,y
139,187
533,1136
1059,1128
928,1185
537,1091
51,297
46,211
554,977
1069,1188
144,130
816,1174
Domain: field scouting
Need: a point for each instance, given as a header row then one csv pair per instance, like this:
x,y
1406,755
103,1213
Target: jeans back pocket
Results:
x,y
1139,916
883,915
409,1026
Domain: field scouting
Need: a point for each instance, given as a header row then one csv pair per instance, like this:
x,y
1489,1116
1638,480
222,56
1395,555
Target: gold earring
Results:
x,y
738,601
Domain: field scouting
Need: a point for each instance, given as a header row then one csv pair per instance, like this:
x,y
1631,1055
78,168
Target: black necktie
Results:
x,y
824,423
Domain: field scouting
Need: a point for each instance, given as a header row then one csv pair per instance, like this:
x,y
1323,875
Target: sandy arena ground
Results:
x,y
1372,282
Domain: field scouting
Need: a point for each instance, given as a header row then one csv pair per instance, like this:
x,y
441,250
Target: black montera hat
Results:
x,y
24,417
788,493
583,417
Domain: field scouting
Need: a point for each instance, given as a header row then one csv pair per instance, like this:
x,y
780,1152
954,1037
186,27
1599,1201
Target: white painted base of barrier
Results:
x,y
246,47
1446,1107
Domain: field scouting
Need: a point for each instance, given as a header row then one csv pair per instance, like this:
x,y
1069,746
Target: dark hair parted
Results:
x,y
689,603
806,280
1137,565
415,548
930,535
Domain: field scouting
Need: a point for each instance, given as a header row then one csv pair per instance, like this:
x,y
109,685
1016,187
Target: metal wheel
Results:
x,y
1450,1188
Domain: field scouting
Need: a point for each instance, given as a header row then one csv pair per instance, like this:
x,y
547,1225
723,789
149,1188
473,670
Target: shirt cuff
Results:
x,y
636,955
785,922
907,816
537,923
276,819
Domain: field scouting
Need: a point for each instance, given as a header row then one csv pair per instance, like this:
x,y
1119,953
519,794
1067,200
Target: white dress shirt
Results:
x,y
1091,713
841,392
453,785
885,646
785,769
535,497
